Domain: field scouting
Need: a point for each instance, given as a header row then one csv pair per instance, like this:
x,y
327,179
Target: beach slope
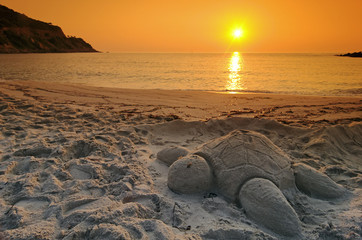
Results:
x,y
79,162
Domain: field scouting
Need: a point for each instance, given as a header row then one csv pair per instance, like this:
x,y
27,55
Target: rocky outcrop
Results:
x,y
354,54
21,34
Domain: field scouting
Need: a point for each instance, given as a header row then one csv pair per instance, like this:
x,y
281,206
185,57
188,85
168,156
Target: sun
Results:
x,y
238,33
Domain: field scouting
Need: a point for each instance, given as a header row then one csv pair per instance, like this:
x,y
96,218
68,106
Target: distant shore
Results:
x,y
354,54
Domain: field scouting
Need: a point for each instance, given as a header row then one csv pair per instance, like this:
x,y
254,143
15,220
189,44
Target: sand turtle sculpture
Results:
x,y
248,169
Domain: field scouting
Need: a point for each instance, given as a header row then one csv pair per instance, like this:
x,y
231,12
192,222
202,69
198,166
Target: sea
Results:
x,y
233,72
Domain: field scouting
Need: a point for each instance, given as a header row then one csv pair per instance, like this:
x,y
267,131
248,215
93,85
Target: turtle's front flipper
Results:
x,y
266,205
315,183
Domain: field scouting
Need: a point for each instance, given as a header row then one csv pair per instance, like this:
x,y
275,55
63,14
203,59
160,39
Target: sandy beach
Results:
x,y
80,162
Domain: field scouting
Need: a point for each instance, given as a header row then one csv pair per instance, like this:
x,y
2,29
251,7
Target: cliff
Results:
x,y
21,34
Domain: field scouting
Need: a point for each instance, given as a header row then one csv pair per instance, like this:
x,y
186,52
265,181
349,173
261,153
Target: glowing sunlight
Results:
x,y
238,33
234,83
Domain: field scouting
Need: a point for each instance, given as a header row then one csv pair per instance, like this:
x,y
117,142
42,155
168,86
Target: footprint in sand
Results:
x,y
80,172
86,205
32,205
30,210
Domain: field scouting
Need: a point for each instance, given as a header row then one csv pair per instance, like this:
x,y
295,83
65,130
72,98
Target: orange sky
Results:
x,y
204,25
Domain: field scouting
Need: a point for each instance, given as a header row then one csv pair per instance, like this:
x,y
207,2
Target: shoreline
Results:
x,y
303,110
81,162
227,92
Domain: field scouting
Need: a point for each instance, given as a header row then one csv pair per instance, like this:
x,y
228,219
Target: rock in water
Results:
x,y
171,154
264,203
315,183
190,174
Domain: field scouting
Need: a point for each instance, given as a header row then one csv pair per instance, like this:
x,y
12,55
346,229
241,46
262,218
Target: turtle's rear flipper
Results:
x,y
266,205
316,184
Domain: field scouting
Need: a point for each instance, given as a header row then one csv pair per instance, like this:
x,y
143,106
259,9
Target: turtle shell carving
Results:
x,y
242,155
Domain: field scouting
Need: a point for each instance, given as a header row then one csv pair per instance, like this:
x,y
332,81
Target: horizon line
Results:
x,y
332,52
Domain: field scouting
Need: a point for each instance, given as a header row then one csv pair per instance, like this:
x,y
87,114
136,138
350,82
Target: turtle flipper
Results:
x,y
190,174
316,184
266,205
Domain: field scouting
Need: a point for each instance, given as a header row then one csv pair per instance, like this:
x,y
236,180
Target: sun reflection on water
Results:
x,y
235,81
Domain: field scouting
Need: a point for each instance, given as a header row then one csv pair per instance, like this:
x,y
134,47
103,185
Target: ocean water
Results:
x,y
305,74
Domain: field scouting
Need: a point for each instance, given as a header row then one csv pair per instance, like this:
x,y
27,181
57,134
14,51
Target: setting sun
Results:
x,y
238,33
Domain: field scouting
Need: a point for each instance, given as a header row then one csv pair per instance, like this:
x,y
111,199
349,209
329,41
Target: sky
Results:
x,y
204,25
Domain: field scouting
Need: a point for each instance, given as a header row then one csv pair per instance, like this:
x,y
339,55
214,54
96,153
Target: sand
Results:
x,y
79,162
